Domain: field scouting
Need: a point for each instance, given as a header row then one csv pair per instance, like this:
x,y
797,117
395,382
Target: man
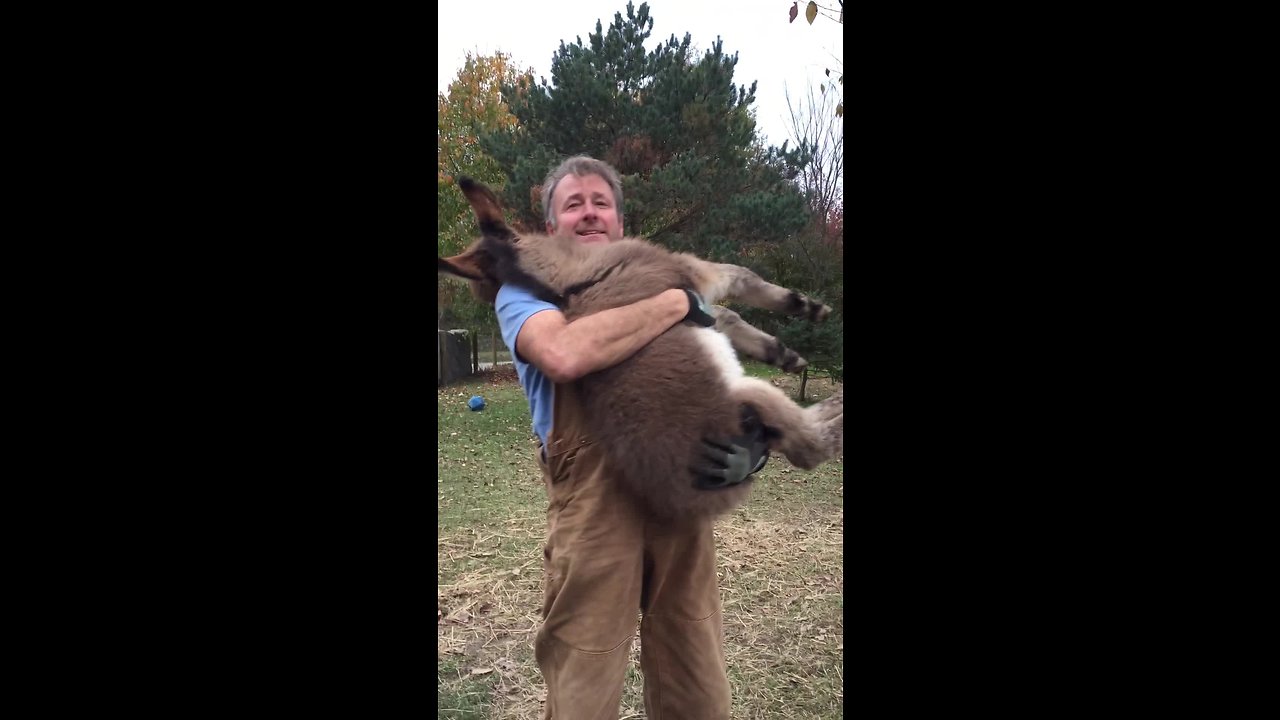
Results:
x,y
604,559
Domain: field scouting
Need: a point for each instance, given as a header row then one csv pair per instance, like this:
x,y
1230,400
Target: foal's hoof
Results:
x,y
792,362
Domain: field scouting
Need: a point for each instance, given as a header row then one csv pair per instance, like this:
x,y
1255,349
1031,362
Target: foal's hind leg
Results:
x,y
805,438
725,281
755,343
829,408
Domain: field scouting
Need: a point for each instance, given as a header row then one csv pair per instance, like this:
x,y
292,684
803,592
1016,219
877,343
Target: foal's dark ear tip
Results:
x,y
465,182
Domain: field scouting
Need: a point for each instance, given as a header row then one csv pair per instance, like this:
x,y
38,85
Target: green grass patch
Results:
x,y
462,696
755,368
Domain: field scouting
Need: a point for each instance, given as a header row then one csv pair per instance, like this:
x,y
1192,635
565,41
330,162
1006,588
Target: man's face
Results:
x,y
584,210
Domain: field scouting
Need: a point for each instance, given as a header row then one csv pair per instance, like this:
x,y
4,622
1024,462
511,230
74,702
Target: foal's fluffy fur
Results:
x,y
651,411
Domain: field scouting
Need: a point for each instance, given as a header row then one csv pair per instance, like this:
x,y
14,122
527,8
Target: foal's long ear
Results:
x,y
487,208
469,264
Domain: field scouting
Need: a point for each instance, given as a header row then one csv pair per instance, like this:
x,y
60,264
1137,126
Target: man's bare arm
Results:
x,y
565,351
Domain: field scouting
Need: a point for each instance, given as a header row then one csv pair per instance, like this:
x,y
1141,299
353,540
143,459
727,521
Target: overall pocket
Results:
x,y
562,459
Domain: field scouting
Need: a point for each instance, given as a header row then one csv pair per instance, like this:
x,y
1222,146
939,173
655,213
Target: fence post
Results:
x,y
442,356
475,353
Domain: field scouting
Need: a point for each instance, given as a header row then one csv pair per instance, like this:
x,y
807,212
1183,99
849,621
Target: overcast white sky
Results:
x,y
771,51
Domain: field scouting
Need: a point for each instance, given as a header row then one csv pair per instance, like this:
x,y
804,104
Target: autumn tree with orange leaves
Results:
x,y
473,105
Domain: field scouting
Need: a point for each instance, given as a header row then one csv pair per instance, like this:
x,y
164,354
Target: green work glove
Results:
x,y
722,466
698,310
725,463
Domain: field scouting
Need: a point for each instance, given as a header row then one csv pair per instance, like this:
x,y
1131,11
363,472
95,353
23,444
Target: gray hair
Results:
x,y
581,165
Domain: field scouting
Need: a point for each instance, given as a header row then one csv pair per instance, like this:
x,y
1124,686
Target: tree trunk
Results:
x,y
804,379
493,343
475,353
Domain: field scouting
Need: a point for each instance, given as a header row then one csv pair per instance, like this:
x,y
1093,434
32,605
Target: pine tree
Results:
x,y
696,178
674,124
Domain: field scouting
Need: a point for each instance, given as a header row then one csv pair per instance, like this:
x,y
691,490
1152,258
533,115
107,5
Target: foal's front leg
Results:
x,y
726,281
755,343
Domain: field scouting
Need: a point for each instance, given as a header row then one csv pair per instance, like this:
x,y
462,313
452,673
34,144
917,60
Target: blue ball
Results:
x,y
476,402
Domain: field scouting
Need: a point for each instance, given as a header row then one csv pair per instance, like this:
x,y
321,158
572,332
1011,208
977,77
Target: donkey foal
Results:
x,y
652,410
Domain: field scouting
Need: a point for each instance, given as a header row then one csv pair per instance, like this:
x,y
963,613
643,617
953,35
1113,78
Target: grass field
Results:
x,y
781,567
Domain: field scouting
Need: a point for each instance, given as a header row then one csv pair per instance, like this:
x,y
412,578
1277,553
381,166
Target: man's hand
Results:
x,y
724,464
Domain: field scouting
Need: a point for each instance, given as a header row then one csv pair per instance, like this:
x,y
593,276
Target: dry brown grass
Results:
x,y
487,614
781,569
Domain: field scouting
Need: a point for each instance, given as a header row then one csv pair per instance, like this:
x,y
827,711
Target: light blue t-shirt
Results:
x,y
515,305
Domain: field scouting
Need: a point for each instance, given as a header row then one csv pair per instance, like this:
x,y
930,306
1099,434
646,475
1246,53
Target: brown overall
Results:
x,y
603,561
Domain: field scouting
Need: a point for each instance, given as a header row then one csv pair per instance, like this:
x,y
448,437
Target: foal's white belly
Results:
x,y
720,352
